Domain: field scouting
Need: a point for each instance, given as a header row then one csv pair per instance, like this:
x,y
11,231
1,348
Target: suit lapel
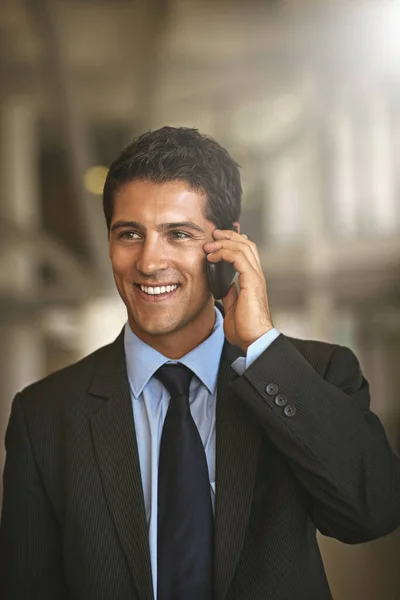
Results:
x,y
237,444
116,450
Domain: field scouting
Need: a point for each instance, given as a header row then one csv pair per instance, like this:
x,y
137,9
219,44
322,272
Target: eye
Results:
x,y
179,235
128,235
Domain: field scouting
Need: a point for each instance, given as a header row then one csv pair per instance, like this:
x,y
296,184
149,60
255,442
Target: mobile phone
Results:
x,y
220,276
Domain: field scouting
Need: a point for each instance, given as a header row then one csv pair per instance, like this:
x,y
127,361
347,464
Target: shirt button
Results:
x,y
290,410
281,400
272,389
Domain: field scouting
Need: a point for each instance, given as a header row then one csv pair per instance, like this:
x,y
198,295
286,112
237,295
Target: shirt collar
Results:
x,y
142,361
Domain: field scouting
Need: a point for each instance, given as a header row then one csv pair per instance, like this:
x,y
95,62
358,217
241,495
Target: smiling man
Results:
x,y
196,457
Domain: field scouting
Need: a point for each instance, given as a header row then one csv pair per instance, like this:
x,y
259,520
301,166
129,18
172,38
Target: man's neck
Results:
x,y
178,343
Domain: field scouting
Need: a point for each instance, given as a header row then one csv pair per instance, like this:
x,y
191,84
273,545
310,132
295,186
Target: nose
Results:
x,y
152,257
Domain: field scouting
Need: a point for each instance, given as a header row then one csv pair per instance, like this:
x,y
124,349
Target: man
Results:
x,y
115,489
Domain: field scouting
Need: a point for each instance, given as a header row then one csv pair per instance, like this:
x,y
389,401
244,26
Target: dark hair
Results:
x,y
180,153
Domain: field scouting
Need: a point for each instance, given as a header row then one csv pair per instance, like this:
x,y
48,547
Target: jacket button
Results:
x,y
281,400
272,389
289,410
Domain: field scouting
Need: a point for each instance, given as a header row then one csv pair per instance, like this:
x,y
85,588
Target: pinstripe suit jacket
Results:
x,y
73,519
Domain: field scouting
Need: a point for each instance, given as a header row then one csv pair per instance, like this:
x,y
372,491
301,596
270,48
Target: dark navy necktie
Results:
x,y
185,518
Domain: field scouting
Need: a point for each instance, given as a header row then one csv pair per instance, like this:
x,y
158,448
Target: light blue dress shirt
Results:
x,y
150,403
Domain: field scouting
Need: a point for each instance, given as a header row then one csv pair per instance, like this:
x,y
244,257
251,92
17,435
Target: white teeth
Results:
x,y
158,290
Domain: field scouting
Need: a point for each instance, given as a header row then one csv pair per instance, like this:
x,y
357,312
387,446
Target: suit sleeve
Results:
x,y
334,444
30,538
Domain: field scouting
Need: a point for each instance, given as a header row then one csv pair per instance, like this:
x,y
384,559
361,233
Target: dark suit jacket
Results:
x,y
297,448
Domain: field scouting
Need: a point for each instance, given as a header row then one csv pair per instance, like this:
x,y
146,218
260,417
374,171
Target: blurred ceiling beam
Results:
x,y
154,17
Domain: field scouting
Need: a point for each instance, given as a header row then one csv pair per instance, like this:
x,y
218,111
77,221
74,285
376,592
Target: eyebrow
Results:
x,y
161,227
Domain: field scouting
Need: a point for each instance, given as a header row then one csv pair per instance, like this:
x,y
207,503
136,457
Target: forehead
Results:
x,y
146,201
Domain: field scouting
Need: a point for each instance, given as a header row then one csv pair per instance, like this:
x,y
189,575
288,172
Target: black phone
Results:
x,y
221,276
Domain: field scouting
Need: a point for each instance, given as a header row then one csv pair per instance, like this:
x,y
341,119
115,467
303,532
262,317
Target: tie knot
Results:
x,y
176,378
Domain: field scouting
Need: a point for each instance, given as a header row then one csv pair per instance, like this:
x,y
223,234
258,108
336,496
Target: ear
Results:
x,y
236,224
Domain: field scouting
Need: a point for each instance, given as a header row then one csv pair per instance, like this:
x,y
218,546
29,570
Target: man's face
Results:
x,y
156,248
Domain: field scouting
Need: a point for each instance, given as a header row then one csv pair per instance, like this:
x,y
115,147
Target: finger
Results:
x,y
212,247
249,275
219,234
254,249
228,234
230,299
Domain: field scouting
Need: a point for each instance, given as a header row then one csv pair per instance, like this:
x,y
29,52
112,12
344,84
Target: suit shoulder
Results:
x,y
312,345
317,353
70,377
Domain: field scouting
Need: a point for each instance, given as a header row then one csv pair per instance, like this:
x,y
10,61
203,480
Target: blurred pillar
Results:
x,y
47,18
375,165
320,304
321,315
19,173
343,196
154,16
22,357
284,220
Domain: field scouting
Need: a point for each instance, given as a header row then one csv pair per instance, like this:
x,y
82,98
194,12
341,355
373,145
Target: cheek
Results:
x,y
193,262
121,263
197,268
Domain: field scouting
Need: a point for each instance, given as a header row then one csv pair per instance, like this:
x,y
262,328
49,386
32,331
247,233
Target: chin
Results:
x,y
158,327
169,322
152,327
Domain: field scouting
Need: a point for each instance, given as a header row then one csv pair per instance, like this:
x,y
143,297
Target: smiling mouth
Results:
x,y
157,290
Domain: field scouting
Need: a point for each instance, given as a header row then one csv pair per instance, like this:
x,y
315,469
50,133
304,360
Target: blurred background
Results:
x,y
305,94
